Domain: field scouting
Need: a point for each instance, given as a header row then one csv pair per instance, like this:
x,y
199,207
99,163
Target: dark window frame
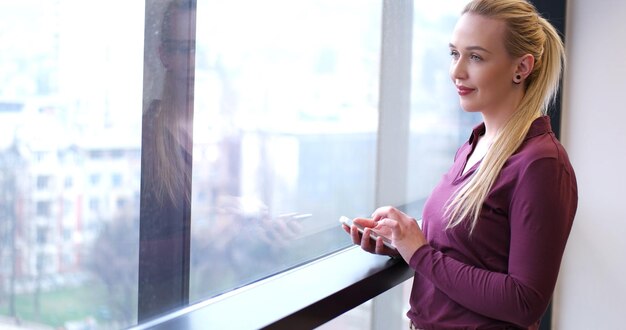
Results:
x,y
164,228
554,11
341,281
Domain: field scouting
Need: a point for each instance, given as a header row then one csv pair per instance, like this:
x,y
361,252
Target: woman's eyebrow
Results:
x,y
472,48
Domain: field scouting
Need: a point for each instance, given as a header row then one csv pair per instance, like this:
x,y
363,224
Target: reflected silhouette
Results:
x,y
166,169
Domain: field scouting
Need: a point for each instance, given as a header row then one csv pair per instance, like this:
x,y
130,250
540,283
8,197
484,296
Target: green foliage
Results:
x,y
60,306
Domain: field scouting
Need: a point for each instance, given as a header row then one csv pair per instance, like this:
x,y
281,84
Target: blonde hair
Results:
x,y
171,176
527,33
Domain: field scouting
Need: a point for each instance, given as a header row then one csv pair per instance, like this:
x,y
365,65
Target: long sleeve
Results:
x,y
542,206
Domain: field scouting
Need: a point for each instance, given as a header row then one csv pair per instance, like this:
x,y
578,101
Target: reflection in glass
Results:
x,y
285,125
166,162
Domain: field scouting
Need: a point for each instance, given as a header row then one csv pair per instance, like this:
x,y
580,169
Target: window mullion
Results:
x,y
393,133
167,140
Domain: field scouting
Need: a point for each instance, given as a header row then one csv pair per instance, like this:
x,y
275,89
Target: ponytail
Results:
x,y
527,33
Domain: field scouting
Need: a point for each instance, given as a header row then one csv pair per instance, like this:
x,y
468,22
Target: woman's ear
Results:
x,y
525,66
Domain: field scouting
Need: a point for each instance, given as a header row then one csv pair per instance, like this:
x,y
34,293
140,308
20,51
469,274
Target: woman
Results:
x,y
495,227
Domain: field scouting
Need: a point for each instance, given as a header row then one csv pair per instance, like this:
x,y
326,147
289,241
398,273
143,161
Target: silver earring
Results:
x,y
518,79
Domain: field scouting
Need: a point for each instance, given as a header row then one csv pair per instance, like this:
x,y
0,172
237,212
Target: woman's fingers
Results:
x,y
390,226
380,247
346,228
386,222
365,222
380,213
366,241
388,212
356,236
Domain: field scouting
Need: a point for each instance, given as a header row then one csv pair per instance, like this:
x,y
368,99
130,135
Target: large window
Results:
x,y
155,155
285,121
435,129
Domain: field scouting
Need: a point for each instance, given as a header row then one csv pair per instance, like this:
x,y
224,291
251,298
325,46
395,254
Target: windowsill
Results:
x,y
305,297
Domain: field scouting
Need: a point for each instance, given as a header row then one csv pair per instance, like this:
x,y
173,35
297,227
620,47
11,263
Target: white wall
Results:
x,y
591,293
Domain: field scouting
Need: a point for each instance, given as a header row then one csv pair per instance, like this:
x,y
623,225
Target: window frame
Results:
x,y
164,246
341,281
554,11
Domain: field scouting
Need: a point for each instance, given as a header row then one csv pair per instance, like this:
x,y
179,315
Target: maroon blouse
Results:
x,y
503,275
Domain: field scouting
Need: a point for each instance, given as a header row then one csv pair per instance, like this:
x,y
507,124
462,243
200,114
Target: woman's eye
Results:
x,y
454,54
475,57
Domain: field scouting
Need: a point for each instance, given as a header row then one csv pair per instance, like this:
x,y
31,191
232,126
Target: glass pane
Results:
x,y
285,123
438,127
438,124
70,137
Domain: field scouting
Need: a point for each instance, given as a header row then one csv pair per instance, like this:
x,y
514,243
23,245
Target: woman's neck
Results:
x,y
495,119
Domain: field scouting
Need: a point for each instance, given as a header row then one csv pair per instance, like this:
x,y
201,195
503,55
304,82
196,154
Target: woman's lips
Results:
x,y
462,90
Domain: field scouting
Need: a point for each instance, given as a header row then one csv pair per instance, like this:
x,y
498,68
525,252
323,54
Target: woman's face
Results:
x,y
178,47
481,68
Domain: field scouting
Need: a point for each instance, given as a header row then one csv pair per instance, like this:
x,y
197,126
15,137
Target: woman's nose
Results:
x,y
458,70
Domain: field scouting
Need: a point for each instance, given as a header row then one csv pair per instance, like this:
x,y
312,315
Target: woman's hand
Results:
x,y
403,230
367,242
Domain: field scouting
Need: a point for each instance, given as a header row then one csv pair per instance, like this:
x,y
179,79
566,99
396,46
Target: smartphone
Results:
x,y
348,222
